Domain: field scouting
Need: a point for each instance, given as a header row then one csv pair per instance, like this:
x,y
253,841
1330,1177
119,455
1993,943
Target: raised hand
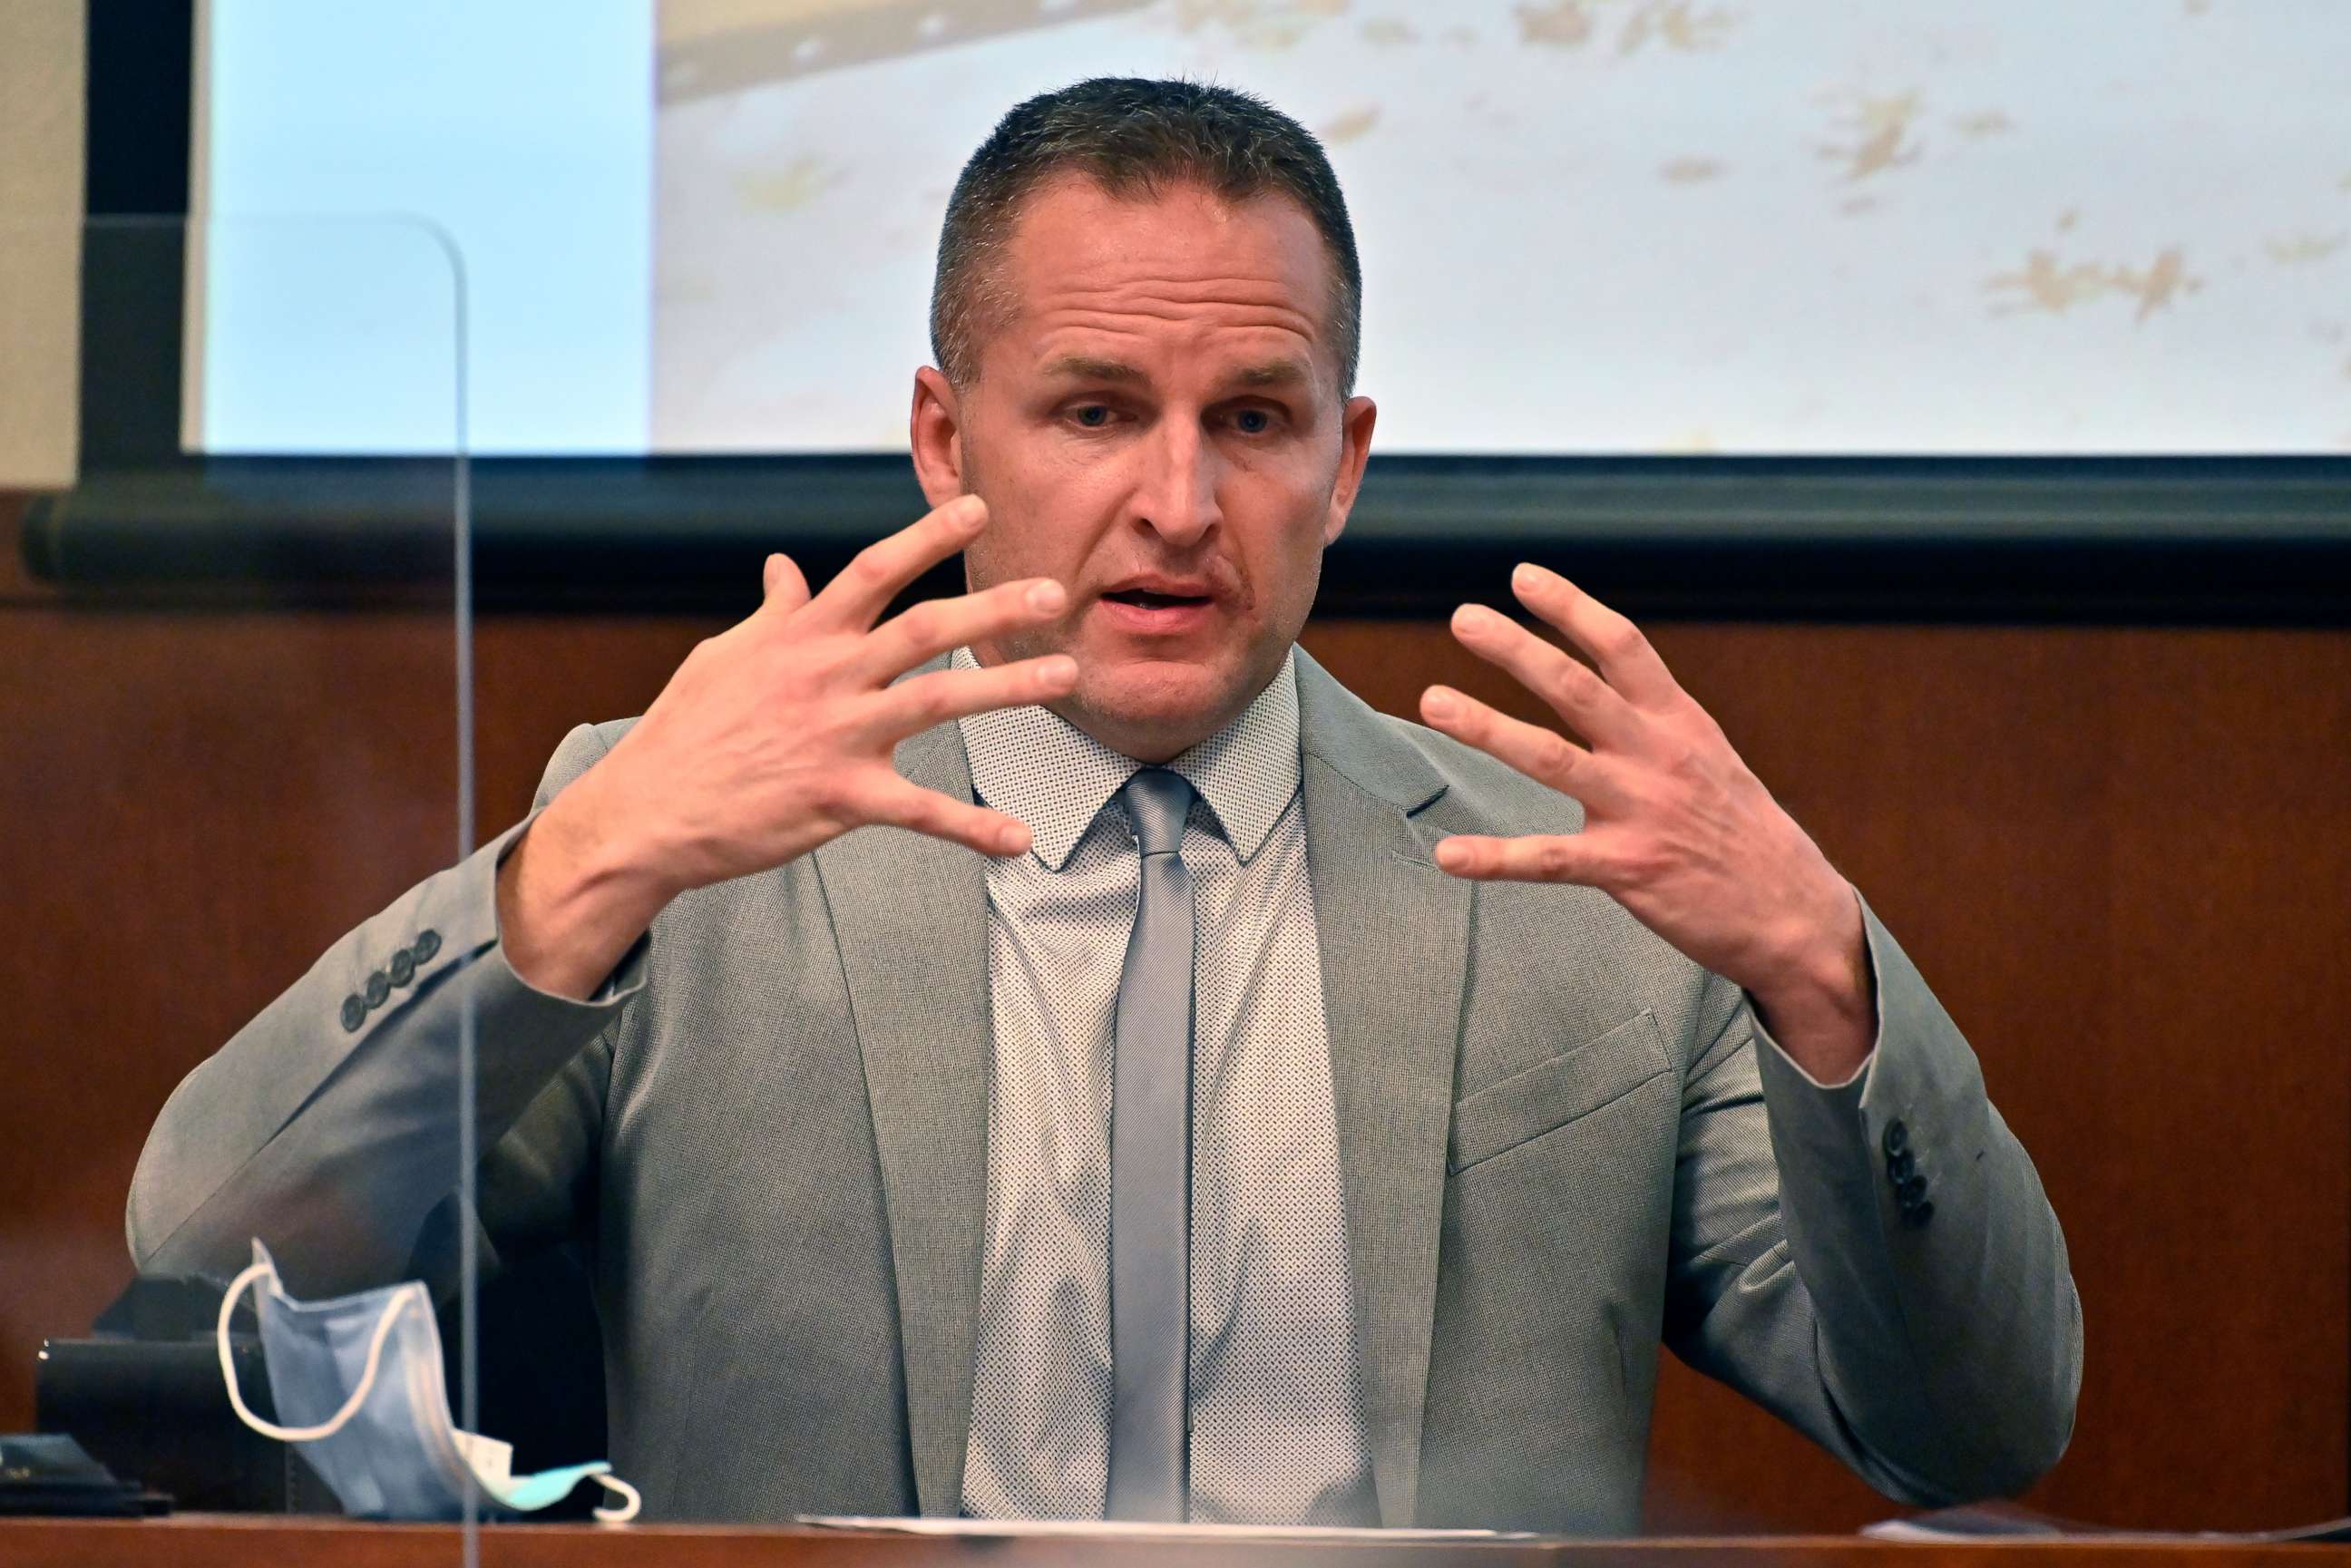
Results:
x,y
1676,829
771,738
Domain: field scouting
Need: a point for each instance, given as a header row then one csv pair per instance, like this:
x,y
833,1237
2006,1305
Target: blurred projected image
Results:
x,y
1586,226
1591,225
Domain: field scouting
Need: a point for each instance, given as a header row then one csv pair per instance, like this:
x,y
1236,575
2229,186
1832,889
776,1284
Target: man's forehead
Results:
x,y
1071,224
1078,253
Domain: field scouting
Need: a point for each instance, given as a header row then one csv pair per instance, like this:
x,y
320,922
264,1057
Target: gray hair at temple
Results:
x,y
1134,137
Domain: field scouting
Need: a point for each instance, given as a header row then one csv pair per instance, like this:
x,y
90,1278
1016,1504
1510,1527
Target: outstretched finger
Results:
x,y
1543,755
1537,857
924,631
920,810
914,706
1592,708
1615,644
884,570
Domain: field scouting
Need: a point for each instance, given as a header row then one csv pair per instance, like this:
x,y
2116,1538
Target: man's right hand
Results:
x,y
773,737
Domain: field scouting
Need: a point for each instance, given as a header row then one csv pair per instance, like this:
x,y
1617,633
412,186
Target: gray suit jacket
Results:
x,y
1562,1142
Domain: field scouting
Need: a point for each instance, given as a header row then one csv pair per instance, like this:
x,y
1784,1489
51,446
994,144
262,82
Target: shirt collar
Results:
x,y
1035,765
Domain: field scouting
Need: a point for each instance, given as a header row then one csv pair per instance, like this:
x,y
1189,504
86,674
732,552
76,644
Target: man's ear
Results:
x,y
1355,446
935,430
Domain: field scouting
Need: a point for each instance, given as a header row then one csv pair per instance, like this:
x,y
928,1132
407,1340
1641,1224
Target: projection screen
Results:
x,y
1617,227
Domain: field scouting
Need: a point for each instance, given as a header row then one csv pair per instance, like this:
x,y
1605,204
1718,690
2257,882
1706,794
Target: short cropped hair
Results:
x,y
1134,137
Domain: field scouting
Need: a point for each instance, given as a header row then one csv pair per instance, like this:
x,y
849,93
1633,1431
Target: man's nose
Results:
x,y
1178,497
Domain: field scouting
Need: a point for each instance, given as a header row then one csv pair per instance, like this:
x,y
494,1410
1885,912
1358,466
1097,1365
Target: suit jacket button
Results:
x,y
379,986
427,944
355,1013
1898,1167
1898,1137
402,967
1918,1214
1913,1191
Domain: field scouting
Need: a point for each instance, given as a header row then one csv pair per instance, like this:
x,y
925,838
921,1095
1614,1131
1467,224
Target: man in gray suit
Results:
x,y
1111,1067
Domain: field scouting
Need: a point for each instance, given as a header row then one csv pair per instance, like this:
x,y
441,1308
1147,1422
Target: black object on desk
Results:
x,y
143,1397
50,1474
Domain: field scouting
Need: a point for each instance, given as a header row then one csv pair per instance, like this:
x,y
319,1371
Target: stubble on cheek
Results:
x,y
995,558
983,568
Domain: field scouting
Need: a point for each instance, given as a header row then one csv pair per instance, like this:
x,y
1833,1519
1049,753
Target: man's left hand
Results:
x,y
1676,827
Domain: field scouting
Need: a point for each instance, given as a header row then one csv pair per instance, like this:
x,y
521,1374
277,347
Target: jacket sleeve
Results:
x,y
328,1127
1876,1263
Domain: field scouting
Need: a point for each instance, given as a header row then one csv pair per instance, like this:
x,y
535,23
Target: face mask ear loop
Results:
x,y
334,1423
626,1509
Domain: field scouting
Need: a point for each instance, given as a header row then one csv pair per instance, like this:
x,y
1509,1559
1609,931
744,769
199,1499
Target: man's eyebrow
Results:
x,y
1273,373
1086,368
1282,372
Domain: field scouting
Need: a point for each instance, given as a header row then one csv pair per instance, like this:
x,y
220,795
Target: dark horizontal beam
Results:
x,y
2219,541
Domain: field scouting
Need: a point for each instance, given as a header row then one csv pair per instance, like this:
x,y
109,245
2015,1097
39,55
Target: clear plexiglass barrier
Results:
x,y
237,1158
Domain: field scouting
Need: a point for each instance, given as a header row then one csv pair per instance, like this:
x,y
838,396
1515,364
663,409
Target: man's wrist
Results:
x,y
573,897
1822,1006
605,856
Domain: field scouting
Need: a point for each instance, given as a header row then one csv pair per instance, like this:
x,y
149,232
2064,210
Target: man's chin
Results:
x,y
1153,708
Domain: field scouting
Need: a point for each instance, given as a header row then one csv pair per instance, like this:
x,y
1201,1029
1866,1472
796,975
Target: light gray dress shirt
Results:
x,y
1277,1401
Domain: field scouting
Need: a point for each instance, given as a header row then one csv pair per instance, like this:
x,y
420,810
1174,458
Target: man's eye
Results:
x,y
1252,422
1092,415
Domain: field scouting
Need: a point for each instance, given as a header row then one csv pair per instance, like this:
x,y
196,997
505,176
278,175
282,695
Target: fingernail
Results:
x,y
1526,577
1451,855
1438,703
974,514
1045,596
1471,617
1057,671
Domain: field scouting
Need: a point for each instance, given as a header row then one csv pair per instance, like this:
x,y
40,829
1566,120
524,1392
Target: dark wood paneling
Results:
x,y
2121,855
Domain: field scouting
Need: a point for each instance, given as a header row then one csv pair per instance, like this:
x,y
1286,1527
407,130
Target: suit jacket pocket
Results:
x,y
1556,1091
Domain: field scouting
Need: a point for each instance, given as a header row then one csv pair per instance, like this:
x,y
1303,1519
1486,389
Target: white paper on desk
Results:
x,y
2007,1522
1097,1529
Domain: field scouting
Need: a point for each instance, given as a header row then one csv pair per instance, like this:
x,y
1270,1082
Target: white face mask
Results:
x,y
358,1379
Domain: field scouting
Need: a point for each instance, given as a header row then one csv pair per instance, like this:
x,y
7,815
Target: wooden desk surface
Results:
x,y
224,1541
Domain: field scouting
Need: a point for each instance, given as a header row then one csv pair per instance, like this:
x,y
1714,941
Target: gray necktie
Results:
x,y
1151,1167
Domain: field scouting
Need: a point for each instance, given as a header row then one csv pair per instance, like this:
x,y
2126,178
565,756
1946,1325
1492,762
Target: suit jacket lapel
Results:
x,y
1394,933
909,913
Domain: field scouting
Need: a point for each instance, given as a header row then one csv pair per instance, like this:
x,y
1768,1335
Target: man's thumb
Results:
x,y
782,585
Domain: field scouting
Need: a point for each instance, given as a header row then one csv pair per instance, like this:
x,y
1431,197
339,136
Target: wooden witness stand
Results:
x,y
224,1541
